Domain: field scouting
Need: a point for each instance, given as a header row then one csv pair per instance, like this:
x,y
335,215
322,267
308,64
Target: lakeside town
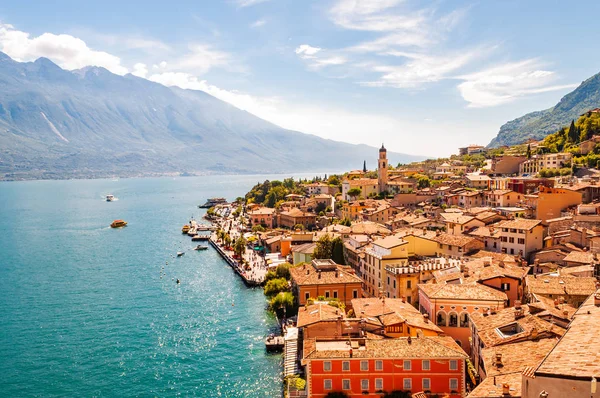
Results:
x,y
471,276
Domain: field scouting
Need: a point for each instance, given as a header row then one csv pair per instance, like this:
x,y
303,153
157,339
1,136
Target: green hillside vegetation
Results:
x,y
567,139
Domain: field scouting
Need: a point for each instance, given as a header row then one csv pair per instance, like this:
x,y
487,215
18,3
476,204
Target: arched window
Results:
x,y
464,320
441,318
453,320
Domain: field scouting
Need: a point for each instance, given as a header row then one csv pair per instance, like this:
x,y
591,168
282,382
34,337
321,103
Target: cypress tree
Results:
x,y
365,166
573,134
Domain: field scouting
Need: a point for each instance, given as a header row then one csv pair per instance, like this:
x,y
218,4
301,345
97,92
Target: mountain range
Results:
x,y
537,125
90,122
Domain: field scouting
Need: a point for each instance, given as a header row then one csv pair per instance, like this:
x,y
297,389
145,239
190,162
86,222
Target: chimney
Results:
x,y
566,314
350,352
409,340
597,299
517,304
319,273
426,317
506,389
307,272
498,362
337,273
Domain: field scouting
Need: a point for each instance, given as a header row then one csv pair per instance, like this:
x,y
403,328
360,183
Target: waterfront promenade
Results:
x,y
254,269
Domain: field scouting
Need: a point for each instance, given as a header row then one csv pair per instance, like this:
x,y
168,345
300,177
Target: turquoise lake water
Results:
x,y
84,310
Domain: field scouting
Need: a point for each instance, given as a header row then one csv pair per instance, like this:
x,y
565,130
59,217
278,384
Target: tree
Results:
x,y
337,250
528,151
573,134
283,300
354,192
258,228
239,247
283,271
365,166
276,286
323,248
299,227
423,182
321,206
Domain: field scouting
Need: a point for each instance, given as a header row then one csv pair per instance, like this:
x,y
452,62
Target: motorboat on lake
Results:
x,y
212,202
118,224
110,198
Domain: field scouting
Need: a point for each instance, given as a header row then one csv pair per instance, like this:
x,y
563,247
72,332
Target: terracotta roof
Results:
x,y
369,228
579,257
492,386
342,229
453,240
262,211
456,218
467,291
295,212
483,269
518,223
529,325
402,347
578,351
513,360
392,311
390,242
544,305
561,285
316,313
308,275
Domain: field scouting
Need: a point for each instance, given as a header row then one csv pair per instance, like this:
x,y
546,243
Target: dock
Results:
x,y
200,238
274,343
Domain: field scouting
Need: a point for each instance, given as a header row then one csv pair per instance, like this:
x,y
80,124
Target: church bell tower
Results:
x,y
382,170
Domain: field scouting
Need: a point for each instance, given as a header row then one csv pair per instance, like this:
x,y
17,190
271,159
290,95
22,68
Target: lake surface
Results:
x,y
87,310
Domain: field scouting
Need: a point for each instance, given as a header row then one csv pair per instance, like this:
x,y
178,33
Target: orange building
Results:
x,y
264,216
368,367
450,305
327,279
548,203
294,216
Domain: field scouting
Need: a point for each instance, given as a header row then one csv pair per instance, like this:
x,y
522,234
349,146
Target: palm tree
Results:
x,y
239,246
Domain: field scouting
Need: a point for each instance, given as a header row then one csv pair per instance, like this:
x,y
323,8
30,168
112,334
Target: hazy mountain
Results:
x,y
537,125
90,122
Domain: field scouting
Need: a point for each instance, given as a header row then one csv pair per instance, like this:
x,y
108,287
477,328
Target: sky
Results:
x,y
423,77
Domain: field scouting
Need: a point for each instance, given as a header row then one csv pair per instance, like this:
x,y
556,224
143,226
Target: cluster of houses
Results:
x,y
484,285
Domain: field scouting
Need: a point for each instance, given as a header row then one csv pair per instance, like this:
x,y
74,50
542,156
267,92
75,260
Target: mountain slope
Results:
x,y
90,122
537,125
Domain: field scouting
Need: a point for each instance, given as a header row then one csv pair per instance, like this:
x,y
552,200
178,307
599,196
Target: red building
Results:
x,y
368,367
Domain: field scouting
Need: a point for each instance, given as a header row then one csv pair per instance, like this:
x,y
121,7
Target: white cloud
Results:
x,y
505,83
140,70
65,50
258,23
200,59
248,3
372,15
306,51
421,69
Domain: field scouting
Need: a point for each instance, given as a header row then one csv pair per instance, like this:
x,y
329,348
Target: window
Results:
x,y
408,284
426,384
378,384
453,364
511,240
425,364
378,365
335,294
505,287
327,366
346,366
355,294
409,300
441,318
327,384
364,384
453,320
521,241
407,364
394,283
306,296
327,294
453,384
464,320
345,384
364,365
407,384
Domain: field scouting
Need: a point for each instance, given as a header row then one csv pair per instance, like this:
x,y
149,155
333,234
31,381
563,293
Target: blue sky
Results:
x,y
423,77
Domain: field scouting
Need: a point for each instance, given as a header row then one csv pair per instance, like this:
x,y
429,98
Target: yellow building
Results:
x,y
389,251
548,203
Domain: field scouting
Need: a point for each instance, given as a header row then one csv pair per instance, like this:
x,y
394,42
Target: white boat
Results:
x,y
179,254
110,198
